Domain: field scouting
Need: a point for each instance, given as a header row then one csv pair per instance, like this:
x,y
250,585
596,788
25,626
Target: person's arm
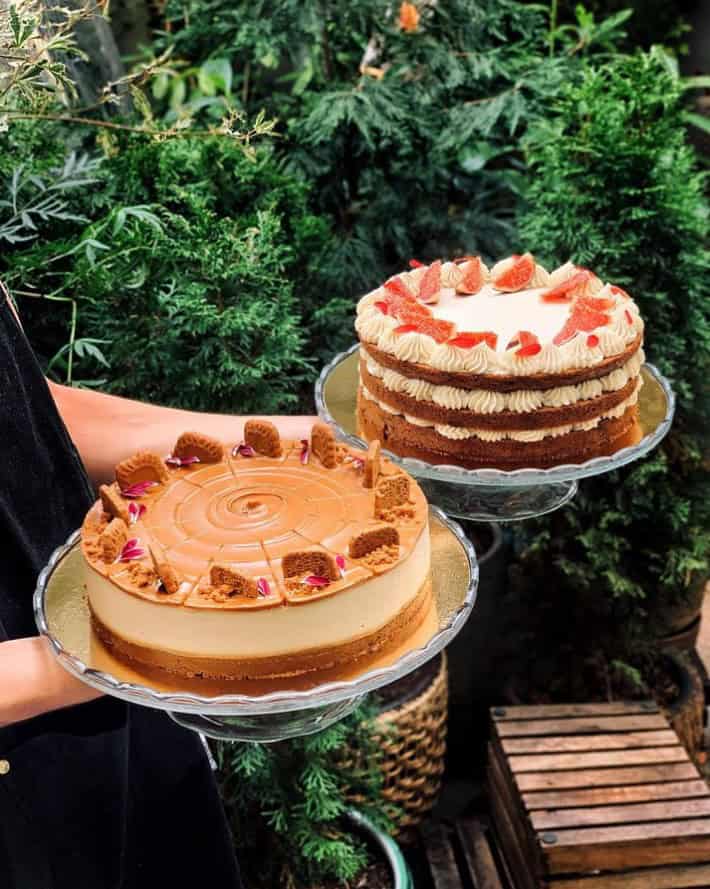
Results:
x,y
106,429
34,682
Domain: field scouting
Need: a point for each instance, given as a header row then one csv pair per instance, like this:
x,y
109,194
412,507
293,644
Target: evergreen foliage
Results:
x,y
286,803
409,138
614,185
186,269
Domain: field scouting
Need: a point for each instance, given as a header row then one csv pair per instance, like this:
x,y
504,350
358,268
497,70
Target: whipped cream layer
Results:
x,y
527,435
504,314
259,633
488,401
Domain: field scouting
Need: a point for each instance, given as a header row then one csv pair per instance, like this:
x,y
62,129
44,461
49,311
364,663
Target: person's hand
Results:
x,y
33,682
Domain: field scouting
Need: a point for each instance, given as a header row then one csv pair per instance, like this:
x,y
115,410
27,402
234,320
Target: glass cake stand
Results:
x,y
495,494
251,710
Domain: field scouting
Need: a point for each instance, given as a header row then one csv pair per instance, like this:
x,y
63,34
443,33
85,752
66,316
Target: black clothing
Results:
x,y
104,795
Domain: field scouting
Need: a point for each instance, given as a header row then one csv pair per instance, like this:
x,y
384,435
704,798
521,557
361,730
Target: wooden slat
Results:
x,y
440,856
678,877
602,796
606,777
613,848
503,789
564,711
571,743
583,725
516,857
635,813
482,870
553,762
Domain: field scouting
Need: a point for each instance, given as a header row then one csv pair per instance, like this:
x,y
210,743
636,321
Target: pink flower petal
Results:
x,y
135,512
340,562
263,587
304,451
131,550
315,581
137,490
358,463
181,461
243,450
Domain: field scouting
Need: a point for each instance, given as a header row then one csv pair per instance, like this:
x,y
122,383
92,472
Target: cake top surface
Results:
x,y
515,319
263,523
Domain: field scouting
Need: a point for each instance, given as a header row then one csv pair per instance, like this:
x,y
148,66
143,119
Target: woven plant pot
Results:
x,y
413,746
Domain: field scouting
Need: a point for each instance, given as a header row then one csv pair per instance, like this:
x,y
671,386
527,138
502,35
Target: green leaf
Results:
x,y
214,76
697,120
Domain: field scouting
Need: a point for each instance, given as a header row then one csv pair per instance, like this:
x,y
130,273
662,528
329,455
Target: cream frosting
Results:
x,y
488,401
524,435
503,314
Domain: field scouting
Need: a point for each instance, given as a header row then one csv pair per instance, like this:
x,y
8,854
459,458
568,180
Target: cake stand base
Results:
x,y
483,503
279,726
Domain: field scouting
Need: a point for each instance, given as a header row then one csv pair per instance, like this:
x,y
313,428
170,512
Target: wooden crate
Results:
x,y
597,796
458,855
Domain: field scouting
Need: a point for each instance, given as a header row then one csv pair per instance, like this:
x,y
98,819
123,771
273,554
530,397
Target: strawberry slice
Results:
x,y
401,305
518,276
565,291
407,328
592,340
568,331
522,338
430,286
383,307
413,314
469,339
398,287
472,280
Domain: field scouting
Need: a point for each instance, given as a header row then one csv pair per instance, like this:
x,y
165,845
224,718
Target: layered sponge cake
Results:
x,y
262,558
507,367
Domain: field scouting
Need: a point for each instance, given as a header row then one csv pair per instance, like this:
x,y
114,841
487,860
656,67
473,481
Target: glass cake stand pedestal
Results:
x,y
496,495
251,710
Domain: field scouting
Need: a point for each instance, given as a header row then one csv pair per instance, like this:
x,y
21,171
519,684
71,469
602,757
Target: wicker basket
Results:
x,y
413,747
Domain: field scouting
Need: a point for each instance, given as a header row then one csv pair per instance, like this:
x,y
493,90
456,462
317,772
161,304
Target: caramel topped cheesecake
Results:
x,y
263,559
506,367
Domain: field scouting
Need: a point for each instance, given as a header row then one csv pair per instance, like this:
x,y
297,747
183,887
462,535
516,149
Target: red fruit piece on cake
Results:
x,y
518,275
398,287
430,286
415,264
382,306
596,303
472,280
467,340
568,289
438,330
529,344
582,318
619,291
592,340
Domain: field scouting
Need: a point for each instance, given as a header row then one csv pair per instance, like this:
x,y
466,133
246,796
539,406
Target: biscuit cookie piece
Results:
x,y
310,561
392,491
372,464
112,540
324,445
238,584
263,436
167,574
113,503
141,467
196,444
365,542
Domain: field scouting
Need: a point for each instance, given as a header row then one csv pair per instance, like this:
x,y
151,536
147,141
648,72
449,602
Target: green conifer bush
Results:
x,y
614,186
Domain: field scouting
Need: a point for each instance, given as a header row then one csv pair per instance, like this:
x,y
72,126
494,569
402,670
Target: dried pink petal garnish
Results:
x,y
262,586
135,512
340,562
304,451
137,490
181,461
315,580
131,550
243,450
358,463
